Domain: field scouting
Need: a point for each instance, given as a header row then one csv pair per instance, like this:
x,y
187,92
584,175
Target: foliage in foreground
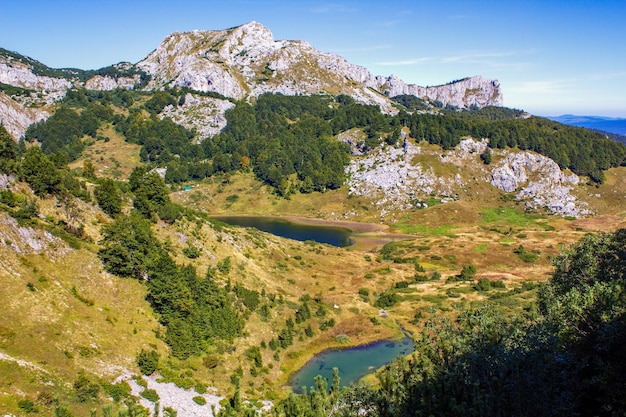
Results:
x,y
569,360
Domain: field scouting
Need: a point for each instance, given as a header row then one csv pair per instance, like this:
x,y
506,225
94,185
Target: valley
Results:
x,y
124,293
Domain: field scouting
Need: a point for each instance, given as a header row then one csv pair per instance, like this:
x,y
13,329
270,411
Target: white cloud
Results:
x,y
387,24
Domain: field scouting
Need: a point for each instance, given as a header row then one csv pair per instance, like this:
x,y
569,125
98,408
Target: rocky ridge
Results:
x,y
469,92
246,61
105,83
19,74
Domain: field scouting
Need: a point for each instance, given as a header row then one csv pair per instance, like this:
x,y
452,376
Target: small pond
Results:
x,y
336,236
353,363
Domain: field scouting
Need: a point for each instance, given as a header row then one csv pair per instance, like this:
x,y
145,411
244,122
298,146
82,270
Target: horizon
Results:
x,y
551,58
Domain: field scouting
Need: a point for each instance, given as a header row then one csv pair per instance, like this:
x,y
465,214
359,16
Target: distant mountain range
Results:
x,y
605,124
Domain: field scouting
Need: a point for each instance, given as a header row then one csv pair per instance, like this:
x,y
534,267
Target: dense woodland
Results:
x,y
290,142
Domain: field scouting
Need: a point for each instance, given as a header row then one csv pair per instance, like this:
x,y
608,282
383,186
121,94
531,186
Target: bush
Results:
x,y
148,361
210,361
117,391
27,406
525,255
198,399
150,395
191,252
200,388
84,388
386,299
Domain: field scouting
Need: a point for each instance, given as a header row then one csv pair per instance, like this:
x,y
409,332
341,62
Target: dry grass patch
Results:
x,y
114,158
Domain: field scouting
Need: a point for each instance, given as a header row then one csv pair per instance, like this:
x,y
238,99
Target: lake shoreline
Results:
x,y
364,236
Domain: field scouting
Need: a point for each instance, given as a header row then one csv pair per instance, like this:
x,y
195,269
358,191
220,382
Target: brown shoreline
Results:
x,y
366,236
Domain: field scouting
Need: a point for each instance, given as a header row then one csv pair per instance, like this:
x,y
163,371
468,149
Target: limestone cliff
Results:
x,y
105,83
19,74
468,92
15,117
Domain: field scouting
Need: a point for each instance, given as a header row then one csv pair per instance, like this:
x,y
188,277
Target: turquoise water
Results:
x,y
353,363
335,236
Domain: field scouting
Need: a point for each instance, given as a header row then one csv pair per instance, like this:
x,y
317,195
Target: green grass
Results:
x,y
512,218
481,247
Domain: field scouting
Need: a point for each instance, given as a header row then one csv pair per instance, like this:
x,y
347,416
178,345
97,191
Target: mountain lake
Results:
x,y
335,236
352,363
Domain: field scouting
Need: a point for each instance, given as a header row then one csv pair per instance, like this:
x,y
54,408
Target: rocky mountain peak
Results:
x,y
242,62
246,61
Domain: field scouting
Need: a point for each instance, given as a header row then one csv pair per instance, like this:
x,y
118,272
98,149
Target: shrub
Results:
x,y
84,388
210,361
200,388
117,391
148,361
526,256
386,299
191,252
150,395
467,273
198,399
27,406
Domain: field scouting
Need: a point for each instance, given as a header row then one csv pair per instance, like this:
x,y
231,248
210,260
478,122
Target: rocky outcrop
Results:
x,y
389,176
539,182
18,74
26,240
104,83
394,179
15,117
468,92
205,115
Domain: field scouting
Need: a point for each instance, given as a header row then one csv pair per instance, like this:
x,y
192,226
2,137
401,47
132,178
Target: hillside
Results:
x,y
124,294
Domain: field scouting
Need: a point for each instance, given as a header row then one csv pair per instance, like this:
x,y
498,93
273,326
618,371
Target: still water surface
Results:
x,y
336,236
353,363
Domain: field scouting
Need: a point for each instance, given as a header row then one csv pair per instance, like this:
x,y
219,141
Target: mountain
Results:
x,y
246,61
606,124
237,63
123,294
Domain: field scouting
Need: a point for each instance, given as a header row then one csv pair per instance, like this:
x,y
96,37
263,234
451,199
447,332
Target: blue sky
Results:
x,y
551,57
